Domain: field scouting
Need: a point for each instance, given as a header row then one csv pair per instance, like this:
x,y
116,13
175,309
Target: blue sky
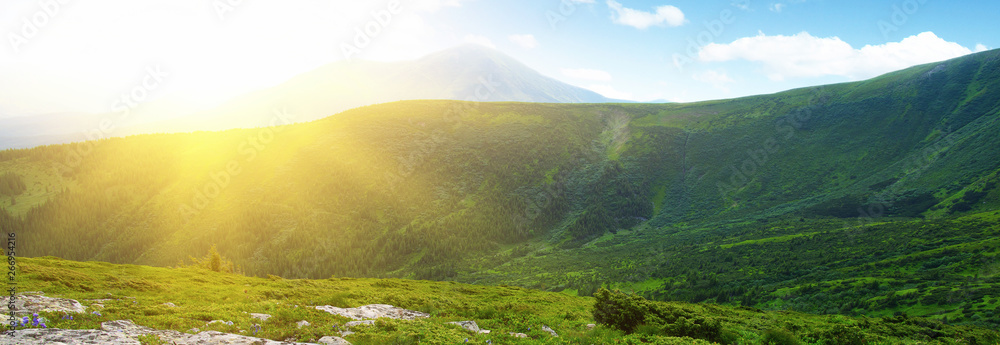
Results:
x,y
75,56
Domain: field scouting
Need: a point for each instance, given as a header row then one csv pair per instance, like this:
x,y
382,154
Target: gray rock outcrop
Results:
x,y
124,332
374,311
331,340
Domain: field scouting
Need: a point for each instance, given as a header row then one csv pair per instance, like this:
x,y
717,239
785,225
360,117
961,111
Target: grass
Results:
x,y
140,294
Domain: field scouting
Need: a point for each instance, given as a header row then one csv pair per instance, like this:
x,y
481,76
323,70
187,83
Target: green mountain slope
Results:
x,y
741,201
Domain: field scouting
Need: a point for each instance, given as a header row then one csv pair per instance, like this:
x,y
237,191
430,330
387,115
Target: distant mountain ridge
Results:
x,y
467,72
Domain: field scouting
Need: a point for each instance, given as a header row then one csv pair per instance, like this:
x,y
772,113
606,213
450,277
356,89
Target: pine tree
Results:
x,y
215,259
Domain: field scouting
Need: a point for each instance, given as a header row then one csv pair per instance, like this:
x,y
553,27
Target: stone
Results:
x,y
302,323
230,323
590,326
552,332
262,317
468,325
124,332
26,304
359,323
170,305
374,311
331,340
132,330
518,335
213,337
67,336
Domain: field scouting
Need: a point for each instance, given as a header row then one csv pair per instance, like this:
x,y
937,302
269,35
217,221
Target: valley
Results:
x,y
871,199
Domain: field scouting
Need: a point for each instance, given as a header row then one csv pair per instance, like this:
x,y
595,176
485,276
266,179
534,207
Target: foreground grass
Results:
x,y
139,293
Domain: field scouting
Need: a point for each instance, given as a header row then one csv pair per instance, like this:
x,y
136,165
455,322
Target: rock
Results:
x,y
518,335
471,326
331,340
359,323
124,332
26,304
230,323
374,311
170,305
302,323
67,336
590,326
468,325
194,330
262,317
213,337
127,327
346,328
547,329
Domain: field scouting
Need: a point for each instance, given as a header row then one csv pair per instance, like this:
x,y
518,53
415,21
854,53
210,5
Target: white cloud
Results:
x,y
741,4
718,79
777,7
610,92
582,1
586,74
480,40
665,16
981,47
803,55
526,41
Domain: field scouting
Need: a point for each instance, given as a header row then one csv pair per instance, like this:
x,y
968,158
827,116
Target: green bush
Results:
x,y
632,313
619,310
845,335
778,336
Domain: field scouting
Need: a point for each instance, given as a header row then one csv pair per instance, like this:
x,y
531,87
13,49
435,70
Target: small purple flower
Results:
x,y
43,325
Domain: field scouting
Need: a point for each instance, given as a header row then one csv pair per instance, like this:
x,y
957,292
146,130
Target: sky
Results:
x,y
67,56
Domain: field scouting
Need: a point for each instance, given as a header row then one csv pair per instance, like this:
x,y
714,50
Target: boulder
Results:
x,y
374,311
262,317
230,323
302,323
55,336
470,326
130,329
331,340
124,332
547,329
213,337
26,304
359,323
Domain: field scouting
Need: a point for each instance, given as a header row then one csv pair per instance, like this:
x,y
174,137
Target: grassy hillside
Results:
x,y
861,198
139,293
